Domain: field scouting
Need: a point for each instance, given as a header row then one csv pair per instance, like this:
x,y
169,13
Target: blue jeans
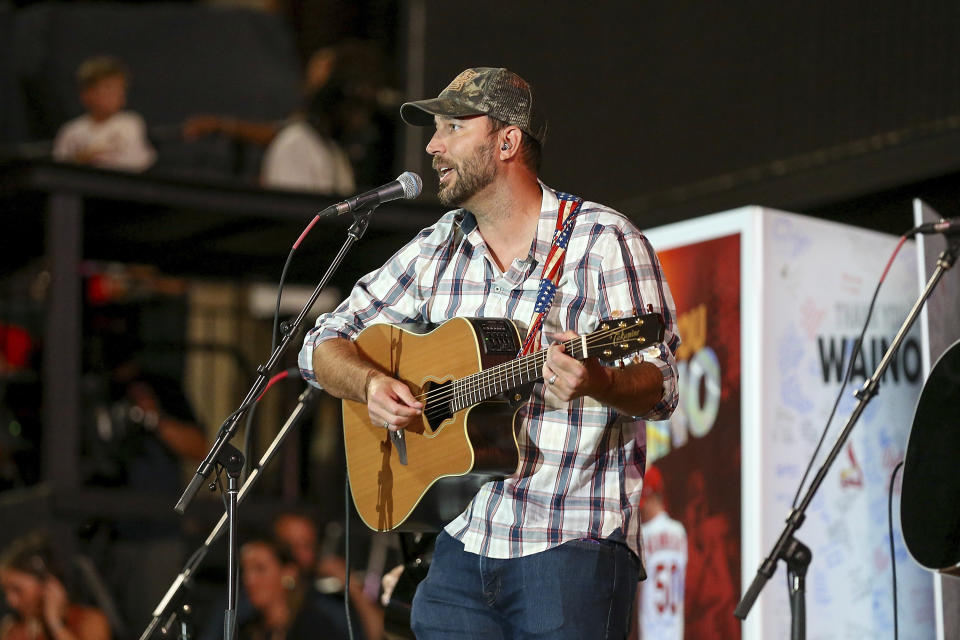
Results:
x,y
582,589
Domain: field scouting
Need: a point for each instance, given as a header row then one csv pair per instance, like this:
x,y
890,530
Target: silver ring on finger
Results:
x,y
552,379
386,424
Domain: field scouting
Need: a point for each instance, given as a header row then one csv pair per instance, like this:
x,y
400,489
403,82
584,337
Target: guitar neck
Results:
x,y
505,377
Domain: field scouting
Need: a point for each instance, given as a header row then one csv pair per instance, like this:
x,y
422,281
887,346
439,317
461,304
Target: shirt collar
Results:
x,y
546,225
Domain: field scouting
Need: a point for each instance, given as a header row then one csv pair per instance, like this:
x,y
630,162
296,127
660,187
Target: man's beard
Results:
x,y
473,175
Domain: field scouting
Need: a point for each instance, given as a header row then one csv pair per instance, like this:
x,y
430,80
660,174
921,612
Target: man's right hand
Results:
x,y
390,403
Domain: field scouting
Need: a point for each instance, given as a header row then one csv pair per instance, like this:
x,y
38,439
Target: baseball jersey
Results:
x,y
661,594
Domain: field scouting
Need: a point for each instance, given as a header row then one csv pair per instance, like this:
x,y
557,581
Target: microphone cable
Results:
x,y
893,555
846,378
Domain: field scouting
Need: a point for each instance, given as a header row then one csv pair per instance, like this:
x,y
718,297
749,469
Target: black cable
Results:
x,y
276,313
218,479
836,403
346,553
248,427
846,378
273,341
893,557
247,438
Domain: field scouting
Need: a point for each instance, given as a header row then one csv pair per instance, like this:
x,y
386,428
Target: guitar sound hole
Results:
x,y
438,404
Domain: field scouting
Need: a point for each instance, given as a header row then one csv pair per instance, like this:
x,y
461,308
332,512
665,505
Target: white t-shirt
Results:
x,y
119,142
299,158
661,594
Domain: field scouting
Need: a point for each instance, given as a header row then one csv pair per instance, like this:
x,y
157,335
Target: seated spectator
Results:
x,y
139,430
41,608
284,603
304,155
106,135
328,573
338,137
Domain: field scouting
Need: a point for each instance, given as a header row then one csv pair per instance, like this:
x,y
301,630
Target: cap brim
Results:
x,y
421,112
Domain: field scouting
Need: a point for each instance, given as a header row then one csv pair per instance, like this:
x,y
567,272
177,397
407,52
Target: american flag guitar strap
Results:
x,y
566,213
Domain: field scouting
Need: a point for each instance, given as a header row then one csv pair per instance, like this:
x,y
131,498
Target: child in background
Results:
x,y
106,135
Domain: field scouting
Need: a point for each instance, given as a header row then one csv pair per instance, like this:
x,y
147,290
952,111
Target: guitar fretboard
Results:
x,y
504,377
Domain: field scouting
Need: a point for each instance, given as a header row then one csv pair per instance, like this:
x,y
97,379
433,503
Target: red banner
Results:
x,y
698,450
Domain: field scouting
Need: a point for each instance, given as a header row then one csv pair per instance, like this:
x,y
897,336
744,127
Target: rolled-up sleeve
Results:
x,y
388,295
633,282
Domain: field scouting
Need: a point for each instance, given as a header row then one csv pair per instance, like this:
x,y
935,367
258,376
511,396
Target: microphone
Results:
x,y
946,226
407,186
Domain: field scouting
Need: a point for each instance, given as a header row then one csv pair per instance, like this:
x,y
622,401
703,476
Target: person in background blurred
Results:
x,y
142,423
299,533
41,608
140,428
665,558
341,118
285,608
270,581
106,135
305,155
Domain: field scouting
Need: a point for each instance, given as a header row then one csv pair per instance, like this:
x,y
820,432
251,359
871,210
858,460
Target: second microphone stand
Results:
x,y
361,220
788,548
304,406
223,454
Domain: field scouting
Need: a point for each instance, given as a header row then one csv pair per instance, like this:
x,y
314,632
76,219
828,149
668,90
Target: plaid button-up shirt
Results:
x,y
581,463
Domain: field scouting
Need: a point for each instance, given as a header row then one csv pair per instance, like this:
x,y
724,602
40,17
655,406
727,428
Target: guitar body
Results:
x,y
449,455
472,381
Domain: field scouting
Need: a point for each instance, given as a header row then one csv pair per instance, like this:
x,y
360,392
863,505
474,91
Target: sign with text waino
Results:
x,y
769,305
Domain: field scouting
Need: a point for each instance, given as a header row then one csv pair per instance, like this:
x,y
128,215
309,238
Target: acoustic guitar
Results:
x,y
467,374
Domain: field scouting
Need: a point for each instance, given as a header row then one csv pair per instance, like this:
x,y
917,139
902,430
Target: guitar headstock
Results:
x,y
620,337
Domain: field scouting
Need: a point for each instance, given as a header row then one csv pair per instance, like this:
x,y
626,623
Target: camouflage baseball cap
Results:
x,y
496,92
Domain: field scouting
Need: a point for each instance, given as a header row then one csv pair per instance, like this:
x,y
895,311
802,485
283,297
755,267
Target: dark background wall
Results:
x,y
841,111
669,110
664,111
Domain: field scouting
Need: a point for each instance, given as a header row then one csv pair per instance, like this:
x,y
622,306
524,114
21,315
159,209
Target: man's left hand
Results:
x,y
568,378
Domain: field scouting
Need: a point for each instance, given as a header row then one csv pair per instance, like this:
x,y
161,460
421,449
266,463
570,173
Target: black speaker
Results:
x,y
930,500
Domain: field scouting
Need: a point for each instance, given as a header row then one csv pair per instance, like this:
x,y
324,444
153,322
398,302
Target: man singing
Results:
x,y
553,550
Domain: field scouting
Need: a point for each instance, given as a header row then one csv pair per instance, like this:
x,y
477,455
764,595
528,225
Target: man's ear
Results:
x,y
510,139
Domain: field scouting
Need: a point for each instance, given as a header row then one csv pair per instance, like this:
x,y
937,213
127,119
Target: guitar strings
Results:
x,y
521,365
476,382
474,385
472,388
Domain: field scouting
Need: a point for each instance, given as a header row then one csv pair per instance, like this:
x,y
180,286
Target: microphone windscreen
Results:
x,y
411,183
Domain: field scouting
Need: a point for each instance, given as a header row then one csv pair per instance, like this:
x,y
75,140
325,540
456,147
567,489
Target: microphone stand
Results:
x,y
224,454
304,405
232,460
361,220
788,548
